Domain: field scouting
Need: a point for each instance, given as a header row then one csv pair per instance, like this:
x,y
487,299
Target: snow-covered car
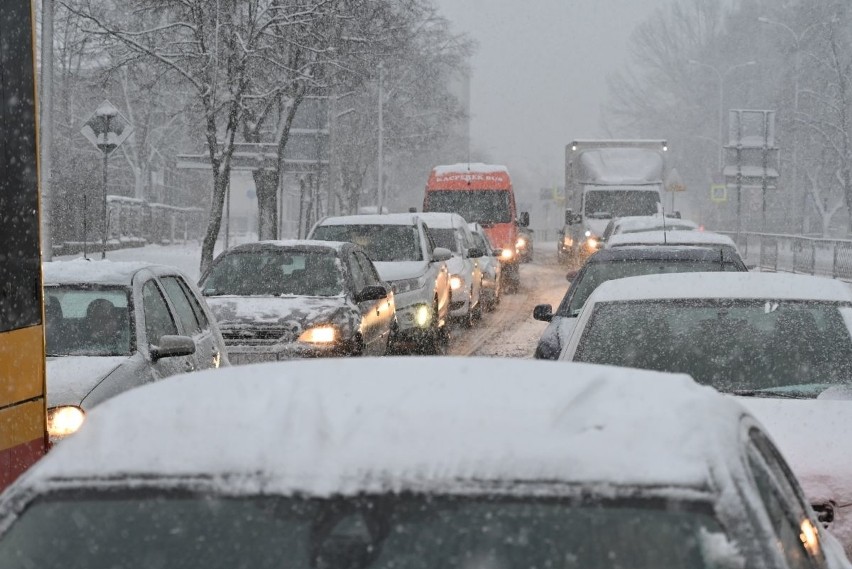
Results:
x,y
405,256
372,464
642,223
450,231
674,239
280,300
755,335
525,246
489,263
114,326
619,263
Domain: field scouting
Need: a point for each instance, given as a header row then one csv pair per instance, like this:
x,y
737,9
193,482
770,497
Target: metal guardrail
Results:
x,y
796,254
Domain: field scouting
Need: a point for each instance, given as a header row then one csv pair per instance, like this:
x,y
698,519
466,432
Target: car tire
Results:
x,y
439,338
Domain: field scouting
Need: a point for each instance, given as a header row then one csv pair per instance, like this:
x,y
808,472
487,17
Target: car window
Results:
x,y
445,238
797,535
158,318
200,317
88,321
367,269
797,349
358,277
388,243
182,305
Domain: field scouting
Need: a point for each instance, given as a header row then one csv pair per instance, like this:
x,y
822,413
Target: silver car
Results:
x,y
114,326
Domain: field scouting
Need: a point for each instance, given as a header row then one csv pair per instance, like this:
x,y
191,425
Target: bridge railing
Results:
x,y
796,254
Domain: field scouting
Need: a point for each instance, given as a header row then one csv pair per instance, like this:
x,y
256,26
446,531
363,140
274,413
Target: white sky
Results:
x,y
540,74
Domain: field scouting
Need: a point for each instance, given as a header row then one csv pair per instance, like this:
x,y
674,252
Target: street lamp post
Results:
x,y
721,113
797,41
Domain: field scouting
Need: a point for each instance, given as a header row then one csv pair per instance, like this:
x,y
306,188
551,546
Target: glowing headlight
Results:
x,y
507,254
319,335
568,242
588,233
456,282
64,421
592,243
521,243
422,316
809,537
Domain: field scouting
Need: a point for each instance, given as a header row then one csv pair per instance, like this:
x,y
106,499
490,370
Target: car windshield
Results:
x,y
445,238
485,207
383,243
263,532
275,273
737,346
620,203
88,321
596,274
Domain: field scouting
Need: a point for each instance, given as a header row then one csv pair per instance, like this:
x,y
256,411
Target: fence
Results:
x,y
796,254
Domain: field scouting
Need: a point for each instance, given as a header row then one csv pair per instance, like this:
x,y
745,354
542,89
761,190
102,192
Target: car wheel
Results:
x,y
357,346
439,337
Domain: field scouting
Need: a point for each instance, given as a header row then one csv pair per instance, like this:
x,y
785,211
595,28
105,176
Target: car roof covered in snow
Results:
x,y
670,238
341,426
665,253
469,167
441,220
774,286
372,219
104,272
631,223
294,244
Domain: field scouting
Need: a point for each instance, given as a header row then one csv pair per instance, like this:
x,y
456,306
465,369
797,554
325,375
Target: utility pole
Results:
x,y
381,158
46,122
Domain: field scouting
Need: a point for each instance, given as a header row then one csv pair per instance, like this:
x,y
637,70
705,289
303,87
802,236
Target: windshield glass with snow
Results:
x,y
485,207
275,273
596,274
382,243
164,531
779,348
445,238
88,321
602,204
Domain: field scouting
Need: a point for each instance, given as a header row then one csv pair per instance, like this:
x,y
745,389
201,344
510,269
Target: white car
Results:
x,y
403,253
114,326
405,463
674,238
642,223
450,231
762,336
491,267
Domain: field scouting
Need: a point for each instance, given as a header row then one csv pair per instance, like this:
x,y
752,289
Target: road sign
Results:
x,y
107,128
674,183
718,193
751,156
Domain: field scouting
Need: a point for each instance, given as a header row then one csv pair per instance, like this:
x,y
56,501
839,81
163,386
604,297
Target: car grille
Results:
x,y
256,336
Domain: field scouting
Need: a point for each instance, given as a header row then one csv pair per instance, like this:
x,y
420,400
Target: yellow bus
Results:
x,y
22,378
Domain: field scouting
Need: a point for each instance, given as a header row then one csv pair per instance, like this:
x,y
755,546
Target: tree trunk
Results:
x,y
214,224
266,185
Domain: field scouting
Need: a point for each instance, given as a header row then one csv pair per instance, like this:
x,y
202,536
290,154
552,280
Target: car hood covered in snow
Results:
x,y
71,378
293,313
400,270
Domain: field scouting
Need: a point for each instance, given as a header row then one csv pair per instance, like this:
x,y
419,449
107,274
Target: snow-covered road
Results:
x,y
510,331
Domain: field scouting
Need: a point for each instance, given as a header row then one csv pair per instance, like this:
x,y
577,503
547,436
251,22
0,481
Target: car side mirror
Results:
x,y
543,312
497,253
524,220
172,347
371,292
475,253
441,255
572,275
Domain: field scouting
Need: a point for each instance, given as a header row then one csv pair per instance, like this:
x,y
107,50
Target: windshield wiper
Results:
x,y
769,393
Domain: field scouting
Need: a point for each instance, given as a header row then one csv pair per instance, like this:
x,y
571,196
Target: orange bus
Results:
x,y
23,437
481,193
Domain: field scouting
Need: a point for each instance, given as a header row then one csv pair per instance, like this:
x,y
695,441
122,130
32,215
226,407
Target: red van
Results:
x,y
483,194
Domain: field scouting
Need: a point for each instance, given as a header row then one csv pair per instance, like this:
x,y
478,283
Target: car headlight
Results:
x,y
422,316
319,335
567,242
507,255
592,243
407,285
521,243
588,233
456,282
64,421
